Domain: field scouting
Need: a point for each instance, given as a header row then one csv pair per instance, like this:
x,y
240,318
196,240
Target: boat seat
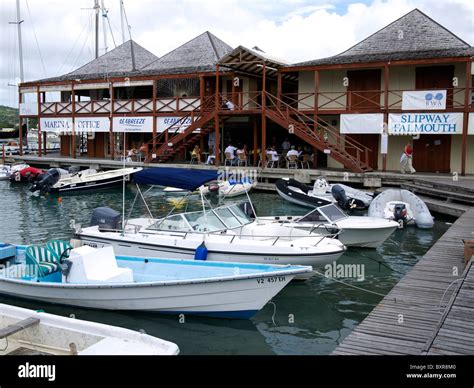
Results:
x,y
45,261
60,248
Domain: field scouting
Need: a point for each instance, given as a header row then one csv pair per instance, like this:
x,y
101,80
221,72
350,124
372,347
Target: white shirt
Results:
x,y
293,152
274,155
230,150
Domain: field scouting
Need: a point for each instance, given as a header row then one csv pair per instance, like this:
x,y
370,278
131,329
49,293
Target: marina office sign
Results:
x,y
425,123
424,99
64,125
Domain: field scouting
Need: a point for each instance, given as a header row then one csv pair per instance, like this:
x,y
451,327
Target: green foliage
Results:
x,y
8,117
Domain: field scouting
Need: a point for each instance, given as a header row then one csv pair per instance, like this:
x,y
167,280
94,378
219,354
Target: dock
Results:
x,y
431,309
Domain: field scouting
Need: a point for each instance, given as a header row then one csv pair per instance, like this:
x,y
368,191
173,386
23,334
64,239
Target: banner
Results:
x,y
470,126
163,123
361,123
29,109
82,124
424,99
425,123
133,124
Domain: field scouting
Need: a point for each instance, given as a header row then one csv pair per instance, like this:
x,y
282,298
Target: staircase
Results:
x,y
173,139
348,152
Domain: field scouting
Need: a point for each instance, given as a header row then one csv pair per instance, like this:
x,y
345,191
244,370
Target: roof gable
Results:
x,y
200,53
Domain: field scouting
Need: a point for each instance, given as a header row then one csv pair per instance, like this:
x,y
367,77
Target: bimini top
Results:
x,y
181,178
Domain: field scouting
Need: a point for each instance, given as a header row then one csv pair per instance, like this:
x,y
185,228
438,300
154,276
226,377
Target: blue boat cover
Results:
x,y
181,178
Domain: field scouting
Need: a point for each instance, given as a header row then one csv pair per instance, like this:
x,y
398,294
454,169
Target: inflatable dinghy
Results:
x,y
402,206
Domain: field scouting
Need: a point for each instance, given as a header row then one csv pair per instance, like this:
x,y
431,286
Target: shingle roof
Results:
x,y
116,62
199,54
413,36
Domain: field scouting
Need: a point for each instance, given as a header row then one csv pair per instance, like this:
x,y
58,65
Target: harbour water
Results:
x,y
309,317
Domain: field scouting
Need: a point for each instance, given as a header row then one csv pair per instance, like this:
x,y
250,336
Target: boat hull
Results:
x,y
85,186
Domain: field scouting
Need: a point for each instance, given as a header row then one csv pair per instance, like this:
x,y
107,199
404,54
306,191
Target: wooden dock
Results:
x,y
418,316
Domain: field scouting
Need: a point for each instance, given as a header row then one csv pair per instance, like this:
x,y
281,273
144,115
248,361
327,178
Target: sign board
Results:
x,y
29,109
424,99
172,123
362,123
425,123
82,124
470,126
133,124
384,143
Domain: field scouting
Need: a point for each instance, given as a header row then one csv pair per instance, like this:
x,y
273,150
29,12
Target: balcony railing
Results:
x,y
367,100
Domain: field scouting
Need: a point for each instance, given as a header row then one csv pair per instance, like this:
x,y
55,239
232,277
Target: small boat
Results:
x,y
6,170
322,193
174,191
352,231
83,180
230,188
402,206
96,278
27,332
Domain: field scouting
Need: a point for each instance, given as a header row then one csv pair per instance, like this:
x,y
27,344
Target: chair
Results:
x,y
229,158
242,161
291,161
194,158
45,261
306,161
270,162
60,248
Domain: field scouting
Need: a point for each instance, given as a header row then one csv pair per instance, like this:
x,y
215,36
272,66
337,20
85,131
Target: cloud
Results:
x,y
294,30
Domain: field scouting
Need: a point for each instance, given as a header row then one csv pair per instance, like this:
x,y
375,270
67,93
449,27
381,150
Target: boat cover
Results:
x,y
181,178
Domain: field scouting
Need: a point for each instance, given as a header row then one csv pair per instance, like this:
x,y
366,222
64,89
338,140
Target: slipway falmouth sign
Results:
x,y
425,123
424,99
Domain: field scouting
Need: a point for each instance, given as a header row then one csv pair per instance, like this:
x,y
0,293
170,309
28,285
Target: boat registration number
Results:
x,y
271,279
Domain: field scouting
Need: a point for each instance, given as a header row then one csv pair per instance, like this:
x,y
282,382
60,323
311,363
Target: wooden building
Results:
x,y
410,80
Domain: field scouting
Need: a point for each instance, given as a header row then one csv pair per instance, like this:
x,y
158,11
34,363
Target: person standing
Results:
x,y
406,159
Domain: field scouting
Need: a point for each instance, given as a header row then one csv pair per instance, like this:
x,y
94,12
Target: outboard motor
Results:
x,y
340,196
400,213
106,219
44,182
247,209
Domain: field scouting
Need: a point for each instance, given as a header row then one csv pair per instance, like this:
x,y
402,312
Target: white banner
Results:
x,y
29,109
470,126
362,123
424,99
82,124
133,124
164,123
425,123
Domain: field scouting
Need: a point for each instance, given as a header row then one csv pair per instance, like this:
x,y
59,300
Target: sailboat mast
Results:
x,y
122,21
104,25
20,43
97,9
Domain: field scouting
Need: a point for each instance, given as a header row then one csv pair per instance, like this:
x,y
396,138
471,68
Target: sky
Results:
x,y
58,35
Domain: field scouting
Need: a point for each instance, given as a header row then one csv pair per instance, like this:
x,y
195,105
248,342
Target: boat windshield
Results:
x,y
213,220
331,213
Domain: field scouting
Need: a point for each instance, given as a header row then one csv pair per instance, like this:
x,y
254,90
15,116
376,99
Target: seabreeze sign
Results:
x,y
65,124
425,123
173,124
133,124
424,99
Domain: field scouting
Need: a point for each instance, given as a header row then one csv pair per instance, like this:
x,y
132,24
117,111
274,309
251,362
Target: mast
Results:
x,y
20,44
97,9
104,25
122,21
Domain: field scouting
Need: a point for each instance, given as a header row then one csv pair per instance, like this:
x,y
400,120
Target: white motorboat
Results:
x,y
230,188
96,278
27,332
6,170
402,206
352,231
228,232
84,180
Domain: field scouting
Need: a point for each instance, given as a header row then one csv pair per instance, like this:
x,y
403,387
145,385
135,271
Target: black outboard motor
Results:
x,y
247,209
45,181
340,196
400,213
106,219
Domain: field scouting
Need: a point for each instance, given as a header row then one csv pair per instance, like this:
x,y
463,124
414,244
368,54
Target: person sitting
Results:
x,y
196,154
230,154
242,155
228,104
285,146
293,152
272,157
131,154
142,152
211,159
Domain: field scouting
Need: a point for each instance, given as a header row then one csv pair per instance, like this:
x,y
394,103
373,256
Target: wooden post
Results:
x,y
111,123
217,102
255,141
20,123
155,91
73,140
202,89
217,140
264,87
386,76
45,148
316,91
264,118
467,96
38,97
279,88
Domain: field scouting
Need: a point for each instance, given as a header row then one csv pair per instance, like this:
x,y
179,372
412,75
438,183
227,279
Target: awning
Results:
x,y
181,178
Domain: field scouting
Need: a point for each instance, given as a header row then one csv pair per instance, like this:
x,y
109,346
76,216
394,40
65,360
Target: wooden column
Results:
x,y
73,140
316,112
255,141
386,77
155,91
202,89
45,148
216,119
279,88
20,122
465,122
38,97
111,123
263,155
